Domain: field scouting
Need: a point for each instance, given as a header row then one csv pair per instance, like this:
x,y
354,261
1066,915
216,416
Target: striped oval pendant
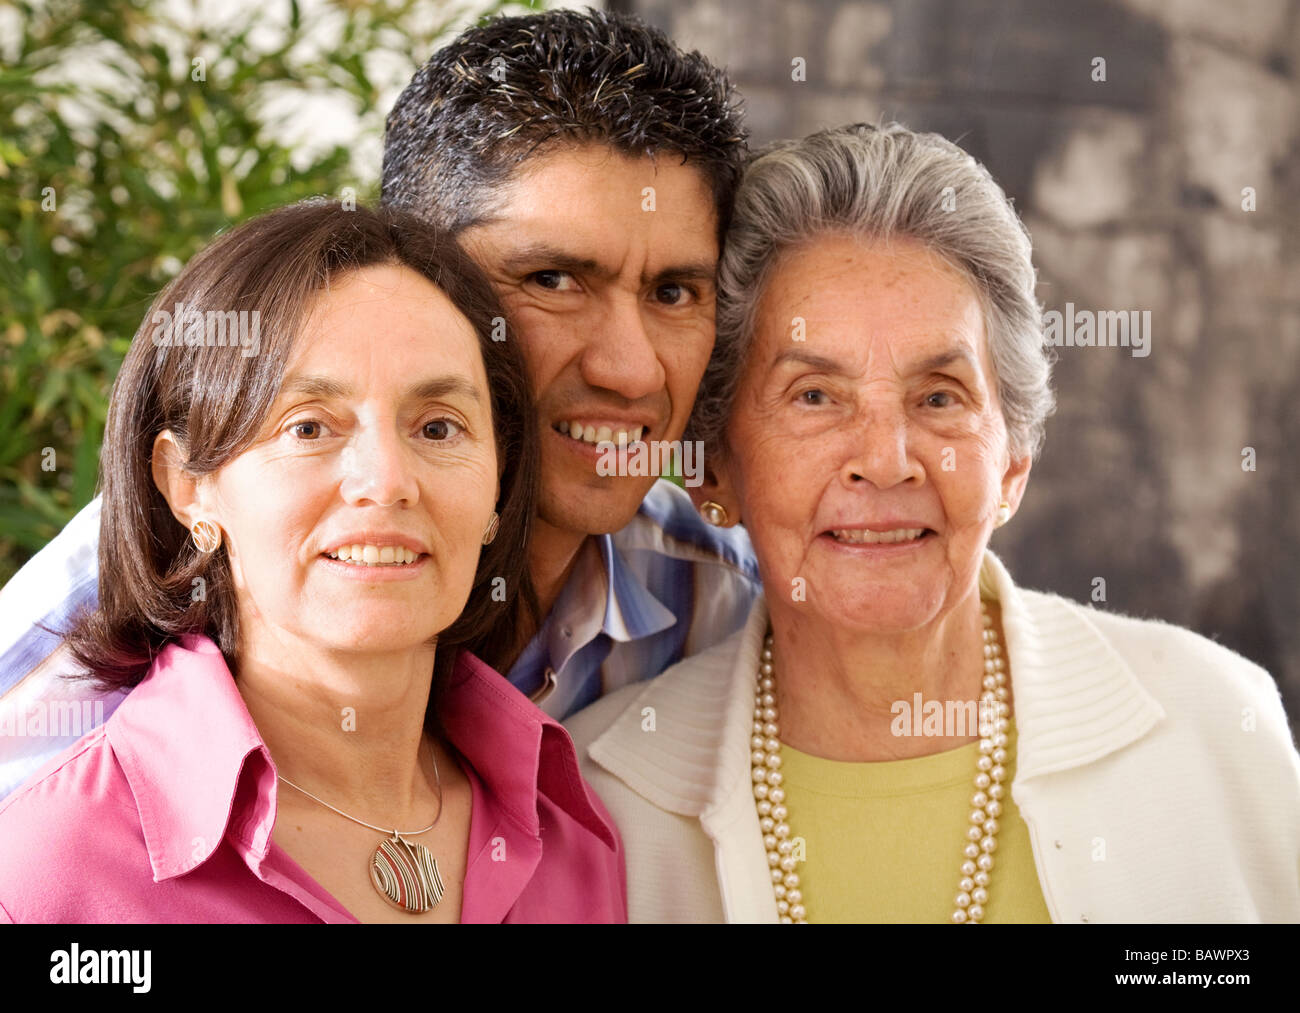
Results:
x,y
406,873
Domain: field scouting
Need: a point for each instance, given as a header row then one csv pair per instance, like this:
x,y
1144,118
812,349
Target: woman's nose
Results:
x,y
377,470
881,453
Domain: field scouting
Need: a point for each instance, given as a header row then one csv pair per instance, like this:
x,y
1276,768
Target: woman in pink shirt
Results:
x,y
318,472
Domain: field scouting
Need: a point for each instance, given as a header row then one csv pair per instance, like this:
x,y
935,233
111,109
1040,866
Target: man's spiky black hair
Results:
x,y
514,87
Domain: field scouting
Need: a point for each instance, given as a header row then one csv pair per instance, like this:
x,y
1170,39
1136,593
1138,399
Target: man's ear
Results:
x,y
716,486
179,488
1014,481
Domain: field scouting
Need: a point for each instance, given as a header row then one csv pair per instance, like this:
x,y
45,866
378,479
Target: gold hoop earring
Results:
x,y
494,525
714,513
206,536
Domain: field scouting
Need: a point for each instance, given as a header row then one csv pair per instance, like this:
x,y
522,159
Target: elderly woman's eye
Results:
x,y
940,399
812,397
441,430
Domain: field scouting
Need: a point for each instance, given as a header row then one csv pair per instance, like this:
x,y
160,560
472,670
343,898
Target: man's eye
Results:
x,y
309,429
441,430
556,281
673,294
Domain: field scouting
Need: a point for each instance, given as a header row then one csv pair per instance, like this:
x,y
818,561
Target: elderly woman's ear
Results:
x,y
1014,481
179,488
715,496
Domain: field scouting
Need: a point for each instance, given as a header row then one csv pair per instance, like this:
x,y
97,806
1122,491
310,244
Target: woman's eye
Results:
x,y
939,399
441,430
308,429
556,281
812,397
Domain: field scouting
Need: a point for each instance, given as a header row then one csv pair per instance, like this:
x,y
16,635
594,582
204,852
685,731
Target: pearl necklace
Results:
x,y
981,836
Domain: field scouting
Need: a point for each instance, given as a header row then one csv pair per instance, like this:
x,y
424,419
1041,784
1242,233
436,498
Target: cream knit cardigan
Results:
x,y
1156,773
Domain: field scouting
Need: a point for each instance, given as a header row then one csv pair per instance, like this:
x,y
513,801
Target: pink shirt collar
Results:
x,y
183,743
200,773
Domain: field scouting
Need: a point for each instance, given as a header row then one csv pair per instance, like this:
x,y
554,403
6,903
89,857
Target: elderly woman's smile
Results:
x,y
868,450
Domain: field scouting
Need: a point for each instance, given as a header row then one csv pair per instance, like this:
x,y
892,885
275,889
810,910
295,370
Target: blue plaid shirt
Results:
x,y
639,600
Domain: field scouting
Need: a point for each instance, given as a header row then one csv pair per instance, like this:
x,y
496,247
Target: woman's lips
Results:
x,y
377,571
862,540
374,555
890,536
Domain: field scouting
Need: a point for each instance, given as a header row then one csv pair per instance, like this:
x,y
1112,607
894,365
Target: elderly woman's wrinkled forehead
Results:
x,y
869,312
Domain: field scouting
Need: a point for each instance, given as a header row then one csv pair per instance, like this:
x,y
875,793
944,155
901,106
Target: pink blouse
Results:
x,y
164,813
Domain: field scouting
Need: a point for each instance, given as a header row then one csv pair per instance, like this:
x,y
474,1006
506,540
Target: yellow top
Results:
x,y
883,841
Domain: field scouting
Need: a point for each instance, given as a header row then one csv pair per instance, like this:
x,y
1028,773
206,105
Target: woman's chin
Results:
x,y
876,611
378,635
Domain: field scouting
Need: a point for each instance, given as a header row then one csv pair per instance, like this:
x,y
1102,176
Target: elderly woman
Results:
x,y
900,733
311,517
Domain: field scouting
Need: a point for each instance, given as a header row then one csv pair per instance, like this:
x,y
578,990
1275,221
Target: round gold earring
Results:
x,y
206,536
1004,513
494,525
714,513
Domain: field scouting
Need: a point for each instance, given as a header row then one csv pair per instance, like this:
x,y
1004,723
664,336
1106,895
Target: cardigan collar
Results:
x,y
1076,702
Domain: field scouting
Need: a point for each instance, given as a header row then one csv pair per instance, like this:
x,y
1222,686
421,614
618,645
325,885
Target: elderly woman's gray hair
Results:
x,y
882,182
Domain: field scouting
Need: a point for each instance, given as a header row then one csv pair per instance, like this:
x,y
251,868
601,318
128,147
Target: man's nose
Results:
x,y
620,355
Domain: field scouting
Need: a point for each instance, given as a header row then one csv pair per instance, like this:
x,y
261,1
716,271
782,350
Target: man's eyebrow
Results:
x,y
549,257
699,271
528,258
425,390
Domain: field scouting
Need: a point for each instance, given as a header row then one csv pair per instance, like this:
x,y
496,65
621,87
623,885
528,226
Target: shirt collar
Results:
x,y
519,751
602,595
1076,699
186,741
631,611
198,767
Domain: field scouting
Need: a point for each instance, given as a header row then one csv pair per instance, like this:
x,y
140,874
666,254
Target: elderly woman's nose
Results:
x,y
620,354
879,452
376,468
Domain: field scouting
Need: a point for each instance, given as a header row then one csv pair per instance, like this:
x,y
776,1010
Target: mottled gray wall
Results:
x,y
1132,190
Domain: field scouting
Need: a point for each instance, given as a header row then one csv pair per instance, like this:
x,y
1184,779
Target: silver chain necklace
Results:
x,y
404,872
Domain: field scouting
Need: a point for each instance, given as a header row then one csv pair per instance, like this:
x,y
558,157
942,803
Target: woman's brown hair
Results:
x,y
215,395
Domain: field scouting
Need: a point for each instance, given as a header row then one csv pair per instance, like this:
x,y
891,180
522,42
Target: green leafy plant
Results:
x,y
129,136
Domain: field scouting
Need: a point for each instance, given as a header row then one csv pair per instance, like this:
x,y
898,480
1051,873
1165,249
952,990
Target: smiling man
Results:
x,y
588,165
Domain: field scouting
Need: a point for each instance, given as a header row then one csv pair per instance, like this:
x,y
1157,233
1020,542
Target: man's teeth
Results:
x,y
373,555
859,536
600,434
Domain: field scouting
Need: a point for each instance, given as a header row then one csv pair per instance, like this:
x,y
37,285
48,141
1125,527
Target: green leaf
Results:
x,y
52,390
